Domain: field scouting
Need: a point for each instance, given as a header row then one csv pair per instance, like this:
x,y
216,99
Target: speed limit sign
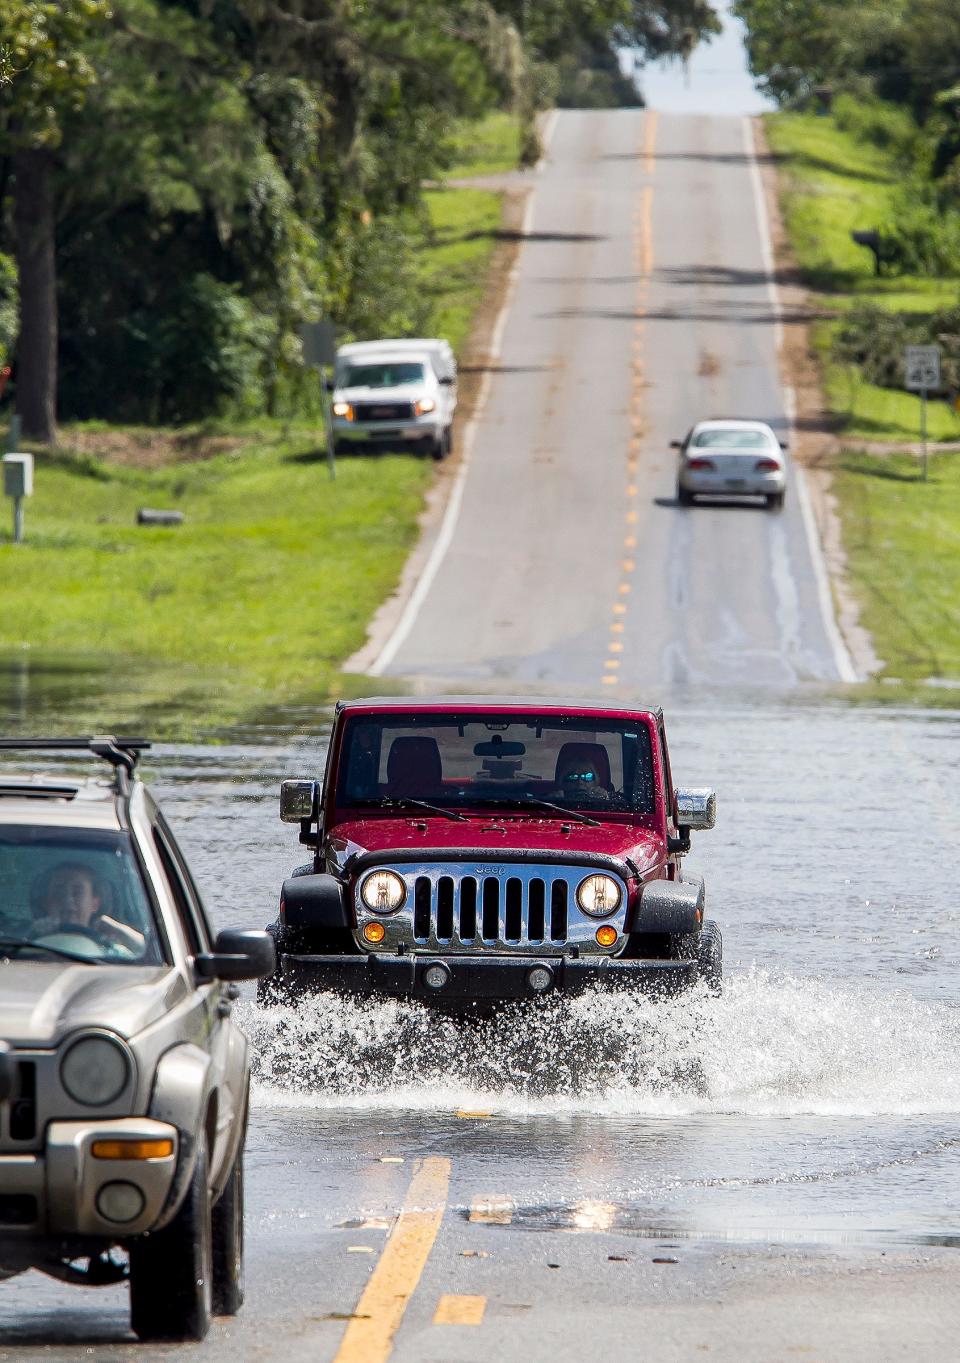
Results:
x,y
922,366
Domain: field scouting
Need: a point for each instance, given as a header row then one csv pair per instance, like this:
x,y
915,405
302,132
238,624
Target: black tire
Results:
x,y
227,1230
710,958
684,497
171,1271
775,501
438,448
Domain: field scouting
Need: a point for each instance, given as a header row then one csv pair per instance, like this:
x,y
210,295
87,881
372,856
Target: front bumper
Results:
x,y
475,980
372,432
55,1193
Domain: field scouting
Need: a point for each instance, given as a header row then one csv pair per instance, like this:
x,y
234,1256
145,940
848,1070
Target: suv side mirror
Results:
x,y
446,379
676,444
238,954
696,808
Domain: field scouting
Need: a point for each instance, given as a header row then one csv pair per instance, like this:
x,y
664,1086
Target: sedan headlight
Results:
x,y
343,409
94,1071
598,895
383,892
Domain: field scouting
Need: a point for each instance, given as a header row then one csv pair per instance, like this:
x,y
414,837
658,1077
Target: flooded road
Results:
x,y
810,1115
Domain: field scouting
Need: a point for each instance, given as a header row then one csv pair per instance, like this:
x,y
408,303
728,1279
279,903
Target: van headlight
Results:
x,y
383,891
598,895
94,1070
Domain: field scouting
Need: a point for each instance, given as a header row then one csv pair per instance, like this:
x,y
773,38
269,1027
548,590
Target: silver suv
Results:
x,y
123,1077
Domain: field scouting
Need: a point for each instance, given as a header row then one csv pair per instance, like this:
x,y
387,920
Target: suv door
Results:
x,y
216,996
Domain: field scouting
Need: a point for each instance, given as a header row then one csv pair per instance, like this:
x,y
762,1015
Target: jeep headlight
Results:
x,y
383,891
598,895
94,1070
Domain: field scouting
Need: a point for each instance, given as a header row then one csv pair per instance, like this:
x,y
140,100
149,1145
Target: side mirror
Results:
x,y
676,444
329,383
784,445
696,808
238,954
445,379
298,800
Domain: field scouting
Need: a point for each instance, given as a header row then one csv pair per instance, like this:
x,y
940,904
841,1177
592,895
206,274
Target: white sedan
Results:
x,y
731,459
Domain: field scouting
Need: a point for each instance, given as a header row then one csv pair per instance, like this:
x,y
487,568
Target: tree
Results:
x,y
47,74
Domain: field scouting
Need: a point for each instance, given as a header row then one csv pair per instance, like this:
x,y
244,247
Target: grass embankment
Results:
x,y
257,598
902,535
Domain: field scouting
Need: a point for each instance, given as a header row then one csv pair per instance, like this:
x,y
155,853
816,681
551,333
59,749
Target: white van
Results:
x,y
395,392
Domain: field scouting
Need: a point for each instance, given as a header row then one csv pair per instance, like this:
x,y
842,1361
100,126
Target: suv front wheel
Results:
x,y
171,1271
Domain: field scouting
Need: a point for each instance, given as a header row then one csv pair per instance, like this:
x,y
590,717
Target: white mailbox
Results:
x,y
18,475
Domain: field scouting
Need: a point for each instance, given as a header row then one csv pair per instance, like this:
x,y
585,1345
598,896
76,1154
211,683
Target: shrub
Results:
x,y
874,340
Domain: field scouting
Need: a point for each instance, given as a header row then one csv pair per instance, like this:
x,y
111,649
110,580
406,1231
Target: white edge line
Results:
x,y
841,654
449,523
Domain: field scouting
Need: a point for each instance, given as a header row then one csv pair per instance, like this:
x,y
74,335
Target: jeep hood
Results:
x,y
41,1001
488,834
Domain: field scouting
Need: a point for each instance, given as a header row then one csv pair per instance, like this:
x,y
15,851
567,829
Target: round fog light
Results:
x,y
607,935
374,932
540,978
436,976
120,1202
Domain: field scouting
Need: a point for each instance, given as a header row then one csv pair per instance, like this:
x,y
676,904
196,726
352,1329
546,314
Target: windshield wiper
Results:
x,y
405,803
14,944
545,804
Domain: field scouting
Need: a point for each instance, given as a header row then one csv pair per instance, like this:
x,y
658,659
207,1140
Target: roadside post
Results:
x,y
922,366
319,342
17,484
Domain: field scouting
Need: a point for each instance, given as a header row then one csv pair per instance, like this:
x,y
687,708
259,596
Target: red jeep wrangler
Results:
x,y
471,851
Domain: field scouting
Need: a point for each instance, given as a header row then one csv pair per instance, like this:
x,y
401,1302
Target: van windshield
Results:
x,y
74,893
582,764
391,375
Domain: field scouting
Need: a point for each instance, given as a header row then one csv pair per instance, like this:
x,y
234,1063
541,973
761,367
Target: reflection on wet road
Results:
x,y
814,1105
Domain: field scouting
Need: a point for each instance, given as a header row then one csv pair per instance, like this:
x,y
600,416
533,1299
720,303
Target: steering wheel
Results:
x,y
65,935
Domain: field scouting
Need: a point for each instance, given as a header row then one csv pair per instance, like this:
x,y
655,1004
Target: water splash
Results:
x,y
771,1046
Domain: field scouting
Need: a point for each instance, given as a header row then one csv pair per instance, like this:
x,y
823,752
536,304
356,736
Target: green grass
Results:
x,y
485,146
902,538
901,535
833,183
254,602
465,223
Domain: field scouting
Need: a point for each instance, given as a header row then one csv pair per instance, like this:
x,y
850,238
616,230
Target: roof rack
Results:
x,y
123,754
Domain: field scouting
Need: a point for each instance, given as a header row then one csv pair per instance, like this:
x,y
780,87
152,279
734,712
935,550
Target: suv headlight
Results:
x,y
95,1070
424,406
598,895
383,891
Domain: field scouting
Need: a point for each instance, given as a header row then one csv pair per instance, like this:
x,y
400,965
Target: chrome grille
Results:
x,y
521,907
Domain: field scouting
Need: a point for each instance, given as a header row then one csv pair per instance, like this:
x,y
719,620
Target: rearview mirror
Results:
x,y
238,954
696,808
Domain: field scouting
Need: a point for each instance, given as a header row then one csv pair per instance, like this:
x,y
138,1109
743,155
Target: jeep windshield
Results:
x,y
497,760
73,894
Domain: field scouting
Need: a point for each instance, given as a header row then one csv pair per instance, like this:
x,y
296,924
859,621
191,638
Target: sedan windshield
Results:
x,y
497,760
73,894
731,438
392,375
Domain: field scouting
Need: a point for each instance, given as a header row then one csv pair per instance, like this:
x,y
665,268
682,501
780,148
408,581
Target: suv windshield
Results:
x,y
73,893
495,759
382,375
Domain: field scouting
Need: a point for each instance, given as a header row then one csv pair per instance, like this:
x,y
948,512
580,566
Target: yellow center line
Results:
x,y
369,1336
454,1309
647,230
492,1210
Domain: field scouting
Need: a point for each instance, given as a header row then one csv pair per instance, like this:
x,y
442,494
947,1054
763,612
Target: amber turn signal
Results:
x,y
153,1149
607,935
374,932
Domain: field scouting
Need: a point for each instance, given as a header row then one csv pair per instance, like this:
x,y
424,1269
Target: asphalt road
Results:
x,y
641,304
